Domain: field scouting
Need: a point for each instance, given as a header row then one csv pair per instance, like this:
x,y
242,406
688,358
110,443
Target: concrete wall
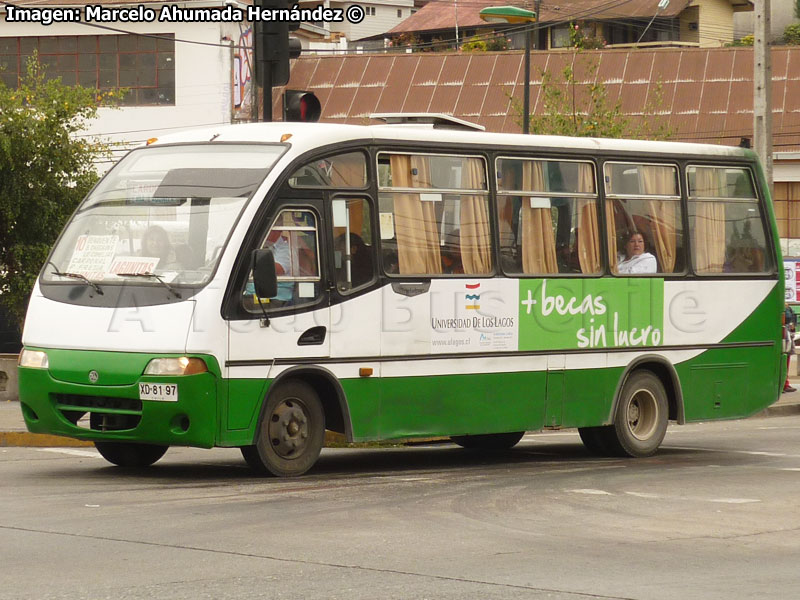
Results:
x,y
9,385
203,80
782,15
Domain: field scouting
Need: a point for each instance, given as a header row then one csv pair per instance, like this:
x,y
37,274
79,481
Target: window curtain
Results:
x,y
611,228
476,254
538,239
588,228
415,221
506,211
660,181
709,221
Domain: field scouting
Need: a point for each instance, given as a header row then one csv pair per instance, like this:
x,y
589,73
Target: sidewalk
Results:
x,y
14,433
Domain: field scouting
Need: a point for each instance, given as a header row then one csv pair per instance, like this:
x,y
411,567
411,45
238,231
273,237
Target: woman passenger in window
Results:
x,y
156,244
635,260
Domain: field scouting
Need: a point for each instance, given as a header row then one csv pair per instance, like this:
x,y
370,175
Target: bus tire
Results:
x,y
489,441
641,417
290,432
127,454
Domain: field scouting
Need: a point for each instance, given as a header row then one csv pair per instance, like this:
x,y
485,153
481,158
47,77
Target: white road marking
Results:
x,y
734,500
727,450
82,453
643,495
650,496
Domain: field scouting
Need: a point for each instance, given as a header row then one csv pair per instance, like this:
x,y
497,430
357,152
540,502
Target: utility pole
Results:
x,y
762,80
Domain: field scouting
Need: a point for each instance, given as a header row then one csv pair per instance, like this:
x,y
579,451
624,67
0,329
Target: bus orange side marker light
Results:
x,y
365,371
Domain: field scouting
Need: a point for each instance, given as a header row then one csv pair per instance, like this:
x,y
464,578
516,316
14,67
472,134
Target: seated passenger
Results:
x,y
451,254
155,244
635,260
360,261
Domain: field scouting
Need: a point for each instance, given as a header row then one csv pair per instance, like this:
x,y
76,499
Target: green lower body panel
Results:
x,y
730,383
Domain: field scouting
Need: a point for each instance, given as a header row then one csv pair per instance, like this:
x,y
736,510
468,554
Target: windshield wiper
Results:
x,y
83,278
153,276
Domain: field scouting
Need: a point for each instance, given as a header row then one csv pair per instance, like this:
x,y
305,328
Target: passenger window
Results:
x,y
353,244
725,220
548,217
347,170
643,214
293,240
434,215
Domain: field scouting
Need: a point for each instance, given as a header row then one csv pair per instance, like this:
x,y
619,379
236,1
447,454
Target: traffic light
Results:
x,y
273,46
302,106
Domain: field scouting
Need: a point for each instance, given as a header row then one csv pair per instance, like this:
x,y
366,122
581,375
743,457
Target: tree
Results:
x,y
45,170
583,109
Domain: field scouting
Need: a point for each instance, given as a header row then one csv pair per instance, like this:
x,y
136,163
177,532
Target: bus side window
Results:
x,y
725,221
353,244
434,215
548,217
643,215
293,241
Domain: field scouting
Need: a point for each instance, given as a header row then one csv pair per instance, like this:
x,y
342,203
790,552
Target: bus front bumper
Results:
x,y
56,404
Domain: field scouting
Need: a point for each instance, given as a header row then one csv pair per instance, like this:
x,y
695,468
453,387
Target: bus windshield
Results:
x,y
162,211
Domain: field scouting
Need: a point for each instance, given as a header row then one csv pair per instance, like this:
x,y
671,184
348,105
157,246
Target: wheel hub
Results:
x,y
288,429
642,414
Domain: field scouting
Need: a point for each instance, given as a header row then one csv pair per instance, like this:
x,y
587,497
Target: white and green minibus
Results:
x,y
254,285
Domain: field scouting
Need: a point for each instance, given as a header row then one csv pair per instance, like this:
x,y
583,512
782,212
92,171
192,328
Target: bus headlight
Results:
x,y
176,366
33,359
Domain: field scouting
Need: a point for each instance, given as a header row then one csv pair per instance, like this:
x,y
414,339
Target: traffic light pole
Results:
x,y
266,97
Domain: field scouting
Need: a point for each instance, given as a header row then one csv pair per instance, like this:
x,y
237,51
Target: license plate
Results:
x,y
161,392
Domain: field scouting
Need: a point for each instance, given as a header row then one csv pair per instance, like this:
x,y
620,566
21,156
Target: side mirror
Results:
x,y
264,276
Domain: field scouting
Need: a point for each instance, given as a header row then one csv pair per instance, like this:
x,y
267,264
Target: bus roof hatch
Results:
x,y
437,120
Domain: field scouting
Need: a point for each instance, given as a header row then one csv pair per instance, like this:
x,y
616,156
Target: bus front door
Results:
x,y
290,329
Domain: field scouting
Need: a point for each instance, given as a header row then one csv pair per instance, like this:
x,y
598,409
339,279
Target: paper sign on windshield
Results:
x,y
93,255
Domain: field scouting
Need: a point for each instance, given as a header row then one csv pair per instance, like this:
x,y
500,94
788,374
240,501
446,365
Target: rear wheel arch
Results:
x,y
666,372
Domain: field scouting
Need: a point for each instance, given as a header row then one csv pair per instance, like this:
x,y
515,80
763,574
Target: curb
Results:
x,y
782,410
9,439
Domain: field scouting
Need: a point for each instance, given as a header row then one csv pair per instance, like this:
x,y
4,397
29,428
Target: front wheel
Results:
x,y
489,441
290,432
640,421
126,454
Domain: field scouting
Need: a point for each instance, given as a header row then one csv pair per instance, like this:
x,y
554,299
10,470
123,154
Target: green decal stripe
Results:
x,y
590,313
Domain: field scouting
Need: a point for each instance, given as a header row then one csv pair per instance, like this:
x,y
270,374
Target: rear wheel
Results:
x,y
641,417
290,433
490,441
127,454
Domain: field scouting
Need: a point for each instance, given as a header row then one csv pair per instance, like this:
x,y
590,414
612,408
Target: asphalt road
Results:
x,y
713,515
